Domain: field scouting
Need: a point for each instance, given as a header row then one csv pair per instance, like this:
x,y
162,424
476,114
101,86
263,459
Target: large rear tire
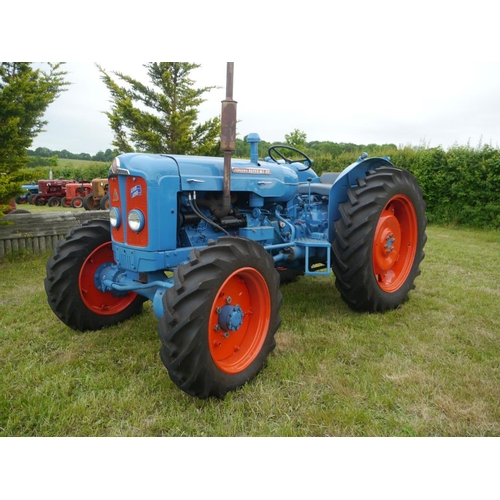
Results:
x,y
70,287
220,317
89,203
379,240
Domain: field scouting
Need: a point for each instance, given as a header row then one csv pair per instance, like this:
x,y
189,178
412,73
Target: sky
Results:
x,y
433,104
391,71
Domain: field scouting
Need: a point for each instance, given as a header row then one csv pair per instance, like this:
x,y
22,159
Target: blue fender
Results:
x,y
346,180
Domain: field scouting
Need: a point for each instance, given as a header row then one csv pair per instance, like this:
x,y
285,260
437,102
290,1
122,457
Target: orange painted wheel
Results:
x,y
395,243
220,317
380,239
101,303
71,291
239,320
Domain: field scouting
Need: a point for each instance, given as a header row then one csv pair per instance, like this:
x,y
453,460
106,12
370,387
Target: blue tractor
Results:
x,y
209,241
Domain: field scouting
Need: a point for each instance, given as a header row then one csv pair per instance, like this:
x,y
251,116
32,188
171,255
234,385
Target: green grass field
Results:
x,y
430,368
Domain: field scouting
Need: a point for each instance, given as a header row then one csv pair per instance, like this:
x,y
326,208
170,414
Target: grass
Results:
x,y
43,209
430,368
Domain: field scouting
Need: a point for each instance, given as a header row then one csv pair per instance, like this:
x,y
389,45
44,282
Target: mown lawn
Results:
x,y
430,368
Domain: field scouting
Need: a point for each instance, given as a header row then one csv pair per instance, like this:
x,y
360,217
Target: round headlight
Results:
x,y
115,165
114,217
135,220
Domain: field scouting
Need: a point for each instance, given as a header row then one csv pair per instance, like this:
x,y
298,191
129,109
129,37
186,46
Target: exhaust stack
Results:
x,y
227,140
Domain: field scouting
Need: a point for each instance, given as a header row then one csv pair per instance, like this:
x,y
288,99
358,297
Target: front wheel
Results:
x,y
220,317
54,201
21,199
379,240
65,202
104,202
39,201
71,291
77,202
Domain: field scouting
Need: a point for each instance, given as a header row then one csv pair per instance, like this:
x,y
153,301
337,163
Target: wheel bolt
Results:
x,y
226,335
217,328
228,300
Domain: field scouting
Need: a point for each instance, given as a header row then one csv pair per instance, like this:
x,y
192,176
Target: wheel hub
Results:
x,y
387,242
231,317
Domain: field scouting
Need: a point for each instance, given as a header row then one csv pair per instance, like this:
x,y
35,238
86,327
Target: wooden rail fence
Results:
x,y
39,233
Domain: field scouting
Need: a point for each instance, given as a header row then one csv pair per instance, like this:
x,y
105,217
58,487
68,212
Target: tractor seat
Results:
x,y
321,188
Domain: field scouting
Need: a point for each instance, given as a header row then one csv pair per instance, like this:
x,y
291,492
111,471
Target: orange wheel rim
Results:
x,y
395,243
99,302
239,320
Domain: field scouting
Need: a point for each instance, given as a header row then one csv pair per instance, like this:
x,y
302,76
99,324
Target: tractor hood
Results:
x,y
204,173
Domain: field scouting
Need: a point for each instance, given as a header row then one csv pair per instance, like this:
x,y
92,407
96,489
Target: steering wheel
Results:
x,y
303,156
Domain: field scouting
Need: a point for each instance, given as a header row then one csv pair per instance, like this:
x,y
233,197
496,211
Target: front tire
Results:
x,y
77,202
54,202
379,240
70,287
65,202
39,201
104,202
220,317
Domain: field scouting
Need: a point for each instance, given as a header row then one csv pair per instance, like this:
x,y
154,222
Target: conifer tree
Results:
x,y
161,118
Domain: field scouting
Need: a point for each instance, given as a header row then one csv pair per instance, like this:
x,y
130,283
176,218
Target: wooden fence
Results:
x,y
39,233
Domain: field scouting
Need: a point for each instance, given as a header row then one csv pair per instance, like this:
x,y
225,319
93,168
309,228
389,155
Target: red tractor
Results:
x,y
76,193
50,192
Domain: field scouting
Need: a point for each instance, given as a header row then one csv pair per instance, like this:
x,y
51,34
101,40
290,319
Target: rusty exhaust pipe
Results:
x,y
227,140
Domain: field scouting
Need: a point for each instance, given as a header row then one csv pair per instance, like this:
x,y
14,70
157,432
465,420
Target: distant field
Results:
x,y
65,162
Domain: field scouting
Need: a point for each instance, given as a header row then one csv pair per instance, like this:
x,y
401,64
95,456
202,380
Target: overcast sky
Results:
x,y
434,104
390,71
437,104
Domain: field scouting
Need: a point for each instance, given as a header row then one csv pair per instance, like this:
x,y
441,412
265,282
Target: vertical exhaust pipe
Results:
x,y
227,140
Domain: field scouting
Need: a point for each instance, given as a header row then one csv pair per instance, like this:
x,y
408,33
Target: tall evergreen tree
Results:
x,y
161,118
25,94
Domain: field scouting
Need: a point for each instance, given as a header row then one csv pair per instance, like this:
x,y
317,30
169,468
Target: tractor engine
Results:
x,y
163,206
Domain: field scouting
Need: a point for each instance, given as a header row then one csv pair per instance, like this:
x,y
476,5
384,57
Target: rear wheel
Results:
x,y
89,203
379,240
220,317
69,284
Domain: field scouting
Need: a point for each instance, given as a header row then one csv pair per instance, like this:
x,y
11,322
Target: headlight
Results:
x,y
115,165
135,220
114,217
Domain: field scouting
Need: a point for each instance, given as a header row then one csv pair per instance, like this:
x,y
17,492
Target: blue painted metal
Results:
x,y
288,210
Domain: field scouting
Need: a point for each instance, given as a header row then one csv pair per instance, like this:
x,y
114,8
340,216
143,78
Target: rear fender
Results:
x,y
346,180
